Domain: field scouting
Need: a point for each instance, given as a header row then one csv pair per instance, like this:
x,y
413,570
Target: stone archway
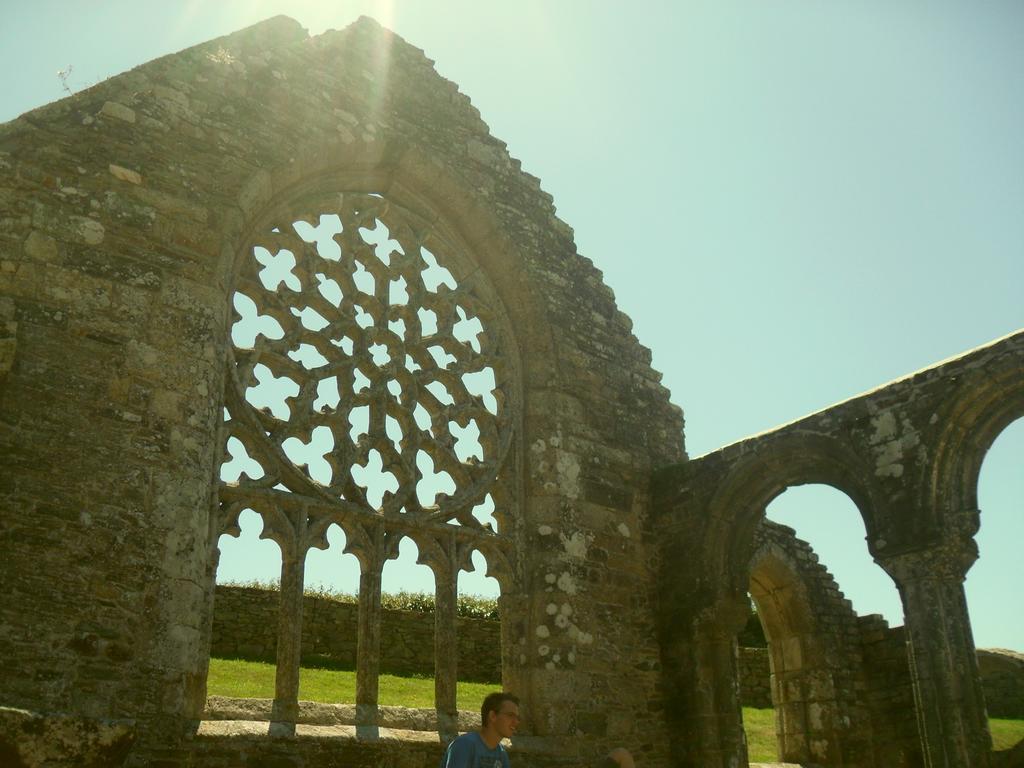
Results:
x,y
375,321
814,653
731,493
907,454
973,418
738,505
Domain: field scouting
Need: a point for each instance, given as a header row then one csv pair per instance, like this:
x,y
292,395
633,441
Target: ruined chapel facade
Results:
x,y
431,294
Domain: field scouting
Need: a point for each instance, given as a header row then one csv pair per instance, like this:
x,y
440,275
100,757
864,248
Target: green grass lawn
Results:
x,y
760,727
1005,733
255,680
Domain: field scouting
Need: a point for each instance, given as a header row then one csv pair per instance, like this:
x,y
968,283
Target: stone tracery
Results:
x,y
390,359
371,389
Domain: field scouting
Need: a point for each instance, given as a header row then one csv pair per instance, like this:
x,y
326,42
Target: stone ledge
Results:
x,y
233,731
318,713
261,729
252,744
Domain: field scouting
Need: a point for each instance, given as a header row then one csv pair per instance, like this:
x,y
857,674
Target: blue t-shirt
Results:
x,y
469,751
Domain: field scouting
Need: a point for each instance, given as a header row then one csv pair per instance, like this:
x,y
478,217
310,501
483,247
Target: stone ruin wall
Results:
x,y
908,455
824,663
124,213
755,677
816,657
1002,674
888,691
125,208
887,676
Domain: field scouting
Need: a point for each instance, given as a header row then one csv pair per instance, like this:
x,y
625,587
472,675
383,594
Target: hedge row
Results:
x,y
473,606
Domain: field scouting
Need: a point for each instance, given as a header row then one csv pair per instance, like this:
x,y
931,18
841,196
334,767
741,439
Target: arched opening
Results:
x,y
329,621
407,622
332,570
828,520
794,654
247,597
1001,500
243,640
997,623
479,633
813,655
822,690
736,531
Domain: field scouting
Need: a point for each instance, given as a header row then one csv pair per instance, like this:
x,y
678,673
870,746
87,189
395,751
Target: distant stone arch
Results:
x,y
814,653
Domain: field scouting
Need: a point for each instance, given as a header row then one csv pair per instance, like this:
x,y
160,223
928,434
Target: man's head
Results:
x,y
617,758
500,712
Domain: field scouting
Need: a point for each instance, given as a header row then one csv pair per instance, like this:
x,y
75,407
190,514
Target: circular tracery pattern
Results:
x,y
363,372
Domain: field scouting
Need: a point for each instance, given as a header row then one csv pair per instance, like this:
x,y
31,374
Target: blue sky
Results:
x,y
795,202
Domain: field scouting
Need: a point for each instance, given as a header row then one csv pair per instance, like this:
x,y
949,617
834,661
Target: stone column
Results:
x,y
943,665
195,689
446,646
368,640
724,743
513,674
289,643
704,670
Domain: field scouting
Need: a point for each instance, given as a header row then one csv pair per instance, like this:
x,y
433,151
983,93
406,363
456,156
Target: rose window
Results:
x,y
366,369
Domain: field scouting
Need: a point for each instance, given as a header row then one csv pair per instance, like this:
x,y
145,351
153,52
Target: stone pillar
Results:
x,y
705,671
513,675
289,644
368,639
195,689
943,665
724,741
446,647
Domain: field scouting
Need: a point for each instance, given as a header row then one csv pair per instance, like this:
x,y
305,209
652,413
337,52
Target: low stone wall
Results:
x,y
1002,673
320,713
889,692
1002,677
245,744
755,678
245,626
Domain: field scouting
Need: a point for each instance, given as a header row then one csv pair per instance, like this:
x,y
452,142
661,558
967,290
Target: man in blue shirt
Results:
x,y
499,718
